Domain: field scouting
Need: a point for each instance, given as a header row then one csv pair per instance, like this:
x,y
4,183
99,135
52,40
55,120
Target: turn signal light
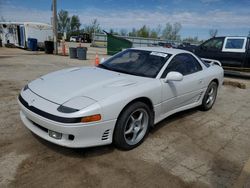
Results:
x,y
96,117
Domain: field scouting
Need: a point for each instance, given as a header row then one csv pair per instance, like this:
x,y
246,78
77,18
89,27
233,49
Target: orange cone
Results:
x,y
97,60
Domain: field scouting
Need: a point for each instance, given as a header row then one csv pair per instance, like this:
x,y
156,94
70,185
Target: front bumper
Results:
x,y
84,135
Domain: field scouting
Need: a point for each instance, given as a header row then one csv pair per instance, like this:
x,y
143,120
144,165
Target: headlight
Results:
x,y
91,112
65,109
75,104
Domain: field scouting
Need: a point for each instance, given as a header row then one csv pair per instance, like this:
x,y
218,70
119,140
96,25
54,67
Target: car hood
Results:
x,y
92,82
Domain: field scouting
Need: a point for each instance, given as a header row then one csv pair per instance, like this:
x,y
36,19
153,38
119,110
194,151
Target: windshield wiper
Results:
x,y
122,71
104,66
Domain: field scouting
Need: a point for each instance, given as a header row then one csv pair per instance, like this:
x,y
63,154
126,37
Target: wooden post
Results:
x,y
55,26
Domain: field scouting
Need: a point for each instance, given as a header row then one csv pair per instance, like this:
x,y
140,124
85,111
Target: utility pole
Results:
x,y
55,26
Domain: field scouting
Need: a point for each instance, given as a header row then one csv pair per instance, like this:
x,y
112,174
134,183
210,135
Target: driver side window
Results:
x,y
214,44
184,64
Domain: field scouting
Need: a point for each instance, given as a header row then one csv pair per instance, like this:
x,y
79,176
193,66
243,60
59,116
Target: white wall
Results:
x,y
40,33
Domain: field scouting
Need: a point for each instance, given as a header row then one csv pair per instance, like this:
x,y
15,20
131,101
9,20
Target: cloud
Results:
x,y
128,19
20,14
137,18
209,1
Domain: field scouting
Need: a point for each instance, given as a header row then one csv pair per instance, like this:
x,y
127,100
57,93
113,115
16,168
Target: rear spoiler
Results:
x,y
211,61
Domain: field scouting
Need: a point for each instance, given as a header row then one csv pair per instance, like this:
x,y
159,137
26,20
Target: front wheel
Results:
x,y
132,126
210,96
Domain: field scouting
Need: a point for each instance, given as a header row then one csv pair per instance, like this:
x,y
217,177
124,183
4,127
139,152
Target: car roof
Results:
x,y
172,51
228,36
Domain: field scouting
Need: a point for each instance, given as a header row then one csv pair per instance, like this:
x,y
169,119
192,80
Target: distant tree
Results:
x,y
167,31
82,30
1,28
176,29
213,33
193,40
111,31
249,34
2,19
133,33
123,32
143,31
63,21
75,23
158,30
93,27
153,34
171,31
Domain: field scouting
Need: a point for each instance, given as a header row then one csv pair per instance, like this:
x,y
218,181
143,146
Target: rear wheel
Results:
x,y
132,126
210,96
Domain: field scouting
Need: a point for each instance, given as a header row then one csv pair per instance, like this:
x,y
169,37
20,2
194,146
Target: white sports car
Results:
x,y
118,101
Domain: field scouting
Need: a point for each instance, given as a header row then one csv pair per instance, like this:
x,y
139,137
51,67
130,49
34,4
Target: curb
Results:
x,y
235,84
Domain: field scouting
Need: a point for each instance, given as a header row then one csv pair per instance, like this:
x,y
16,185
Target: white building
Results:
x,y
17,33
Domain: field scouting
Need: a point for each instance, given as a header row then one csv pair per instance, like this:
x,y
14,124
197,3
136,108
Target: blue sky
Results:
x,y
230,17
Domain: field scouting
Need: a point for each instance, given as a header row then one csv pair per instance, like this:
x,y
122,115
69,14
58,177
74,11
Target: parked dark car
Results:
x,y
85,37
74,39
167,44
187,46
232,52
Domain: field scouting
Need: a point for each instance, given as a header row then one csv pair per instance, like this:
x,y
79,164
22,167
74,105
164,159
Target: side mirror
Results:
x,y
173,76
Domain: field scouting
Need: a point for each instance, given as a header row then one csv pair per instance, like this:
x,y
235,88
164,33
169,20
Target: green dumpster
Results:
x,y
116,44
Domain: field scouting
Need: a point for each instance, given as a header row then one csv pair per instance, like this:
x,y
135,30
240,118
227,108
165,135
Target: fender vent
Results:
x,y
199,96
105,135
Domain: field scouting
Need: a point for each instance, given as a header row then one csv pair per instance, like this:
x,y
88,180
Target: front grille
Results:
x,y
39,126
47,115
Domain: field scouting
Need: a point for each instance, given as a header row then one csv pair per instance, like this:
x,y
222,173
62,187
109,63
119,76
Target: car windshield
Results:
x,y
137,62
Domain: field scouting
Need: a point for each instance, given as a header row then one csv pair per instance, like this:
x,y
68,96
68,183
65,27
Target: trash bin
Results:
x,y
32,44
72,53
81,53
48,47
116,44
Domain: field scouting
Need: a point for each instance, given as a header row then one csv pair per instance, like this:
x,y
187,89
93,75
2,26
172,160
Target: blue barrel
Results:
x,y
32,44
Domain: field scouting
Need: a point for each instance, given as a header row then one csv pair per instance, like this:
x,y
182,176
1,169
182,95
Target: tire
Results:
x,y
210,96
132,126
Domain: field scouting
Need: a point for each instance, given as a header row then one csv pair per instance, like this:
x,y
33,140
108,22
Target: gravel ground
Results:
x,y
189,149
